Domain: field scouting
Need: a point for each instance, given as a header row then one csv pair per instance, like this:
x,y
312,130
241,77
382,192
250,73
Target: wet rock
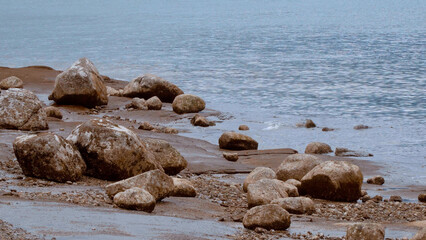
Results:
x,y
377,180
48,156
258,174
377,198
80,84
154,103
169,130
183,188
318,148
360,127
420,235
112,91
233,157
53,112
137,103
237,141
422,197
146,126
336,181
187,103
148,85
296,166
310,124
296,205
165,154
156,182
199,120
395,199
135,199
344,152
365,198
243,128
269,216
265,190
11,82
365,231
326,129
295,183
21,109
111,151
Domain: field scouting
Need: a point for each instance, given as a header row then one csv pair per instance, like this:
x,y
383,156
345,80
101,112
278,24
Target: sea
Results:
x,y
269,64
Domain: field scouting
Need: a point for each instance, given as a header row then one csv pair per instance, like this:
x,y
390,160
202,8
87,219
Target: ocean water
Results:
x,y
267,64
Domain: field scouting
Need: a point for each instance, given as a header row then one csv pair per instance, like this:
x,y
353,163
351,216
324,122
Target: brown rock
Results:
x,y
243,128
165,154
137,103
146,126
365,231
258,174
422,197
187,103
135,199
237,141
265,190
344,152
154,103
296,205
360,127
326,129
199,120
269,216
377,180
11,82
395,199
310,124
183,188
233,157
53,112
296,166
295,183
318,148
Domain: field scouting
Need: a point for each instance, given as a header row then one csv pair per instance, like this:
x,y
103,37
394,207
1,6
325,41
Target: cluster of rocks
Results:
x,y
154,103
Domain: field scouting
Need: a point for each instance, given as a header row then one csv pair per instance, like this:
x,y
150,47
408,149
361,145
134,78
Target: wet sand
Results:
x,y
218,183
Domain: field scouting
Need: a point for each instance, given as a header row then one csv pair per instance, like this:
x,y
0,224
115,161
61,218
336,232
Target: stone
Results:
x,y
395,199
237,141
295,183
154,103
326,129
146,126
199,120
258,174
111,152
420,235
377,198
334,180
422,197
183,188
48,156
344,152
296,166
137,103
156,182
135,199
360,127
187,103
365,231
53,112
81,84
318,148
11,82
166,155
21,109
310,124
243,128
269,217
363,193
233,157
365,198
265,190
169,130
296,205
148,85
112,91
377,180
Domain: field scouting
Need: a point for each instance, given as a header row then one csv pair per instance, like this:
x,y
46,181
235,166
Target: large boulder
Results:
x,y
135,199
237,141
318,148
11,82
148,85
156,182
296,205
258,174
81,84
111,151
187,103
21,109
48,156
296,166
365,231
183,188
332,180
166,155
269,216
265,190
154,103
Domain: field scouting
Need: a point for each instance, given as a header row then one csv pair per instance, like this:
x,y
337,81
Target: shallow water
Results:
x,y
268,64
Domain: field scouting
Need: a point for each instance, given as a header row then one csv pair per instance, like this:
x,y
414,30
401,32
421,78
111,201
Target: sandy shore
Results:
x,y
215,213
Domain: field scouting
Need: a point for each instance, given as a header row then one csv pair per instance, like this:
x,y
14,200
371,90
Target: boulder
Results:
x,y
420,235
344,152
137,103
81,84
53,112
112,91
365,231
422,197
360,127
187,103
48,156
11,82
111,151
166,155
395,198
377,180
154,103
156,182
237,141
296,166
183,188
135,199
148,85
310,124
233,157
318,148
243,128
332,180
296,205
295,183
265,190
258,174
21,109
269,217
199,120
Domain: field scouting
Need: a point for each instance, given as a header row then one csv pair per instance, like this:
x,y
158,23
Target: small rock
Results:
x,y
377,198
269,216
233,157
183,188
237,141
344,152
187,103
170,130
365,231
154,103
138,103
326,129
310,124
61,129
243,128
53,112
365,198
422,197
112,91
296,205
199,120
11,82
318,148
363,193
135,199
359,127
258,174
395,199
146,126
377,180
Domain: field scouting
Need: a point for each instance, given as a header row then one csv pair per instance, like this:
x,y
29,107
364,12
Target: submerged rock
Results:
x,y
165,154
269,216
296,205
326,129
135,199
243,128
53,112
365,231
318,148
258,174
344,152
296,166
310,124
201,121
187,103
237,141
360,127
11,82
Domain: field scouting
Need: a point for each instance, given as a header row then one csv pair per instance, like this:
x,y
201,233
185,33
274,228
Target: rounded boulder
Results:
x,y
269,217
237,141
187,103
296,166
135,199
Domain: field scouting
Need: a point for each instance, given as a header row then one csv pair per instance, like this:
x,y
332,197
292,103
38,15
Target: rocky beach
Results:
x,y
85,156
